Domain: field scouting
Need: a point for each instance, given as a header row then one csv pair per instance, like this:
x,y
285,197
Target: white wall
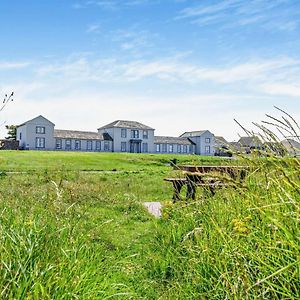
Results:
x,y
200,142
115,133
29,134
190,148
83,145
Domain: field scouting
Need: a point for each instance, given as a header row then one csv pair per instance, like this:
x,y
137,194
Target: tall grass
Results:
x,y
242,243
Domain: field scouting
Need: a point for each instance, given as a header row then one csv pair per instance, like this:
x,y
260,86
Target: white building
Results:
x,y
129,136
177,145
204,141
39,134
118,136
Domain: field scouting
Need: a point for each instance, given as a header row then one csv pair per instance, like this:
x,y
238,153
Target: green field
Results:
x,y
80,161
68,234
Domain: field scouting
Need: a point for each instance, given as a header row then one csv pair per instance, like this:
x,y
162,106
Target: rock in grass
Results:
x,y
154,208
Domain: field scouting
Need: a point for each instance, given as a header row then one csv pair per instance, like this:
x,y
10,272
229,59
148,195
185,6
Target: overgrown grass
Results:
x,y
238,244
72,235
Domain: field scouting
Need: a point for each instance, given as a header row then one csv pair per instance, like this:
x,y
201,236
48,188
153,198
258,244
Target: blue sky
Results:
x,y
175,65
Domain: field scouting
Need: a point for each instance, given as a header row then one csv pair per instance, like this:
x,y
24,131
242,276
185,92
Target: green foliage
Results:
x,y
71,234
11,132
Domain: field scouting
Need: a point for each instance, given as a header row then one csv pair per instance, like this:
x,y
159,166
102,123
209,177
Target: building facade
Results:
x,y
176,145
204,141
129,136
118,136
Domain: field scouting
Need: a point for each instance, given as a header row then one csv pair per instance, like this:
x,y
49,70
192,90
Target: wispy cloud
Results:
x,y
93,28
134,40
260,75
7,65
113,4
273,15
291,90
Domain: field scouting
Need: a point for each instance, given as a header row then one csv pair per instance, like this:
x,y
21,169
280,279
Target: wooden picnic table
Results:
x,y
209,176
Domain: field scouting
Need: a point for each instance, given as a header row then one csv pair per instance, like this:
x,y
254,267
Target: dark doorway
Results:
x,y
135,146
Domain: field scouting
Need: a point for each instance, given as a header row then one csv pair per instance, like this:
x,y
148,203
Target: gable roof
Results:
x,y
291,145
80,135
220,140
40,116
172,140
249,140
193,133
126,124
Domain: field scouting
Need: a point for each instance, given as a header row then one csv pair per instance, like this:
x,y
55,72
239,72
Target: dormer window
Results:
x,y
40,129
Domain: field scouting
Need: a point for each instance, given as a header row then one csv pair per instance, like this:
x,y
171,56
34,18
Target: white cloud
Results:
x,y
271,15
8,65
290,90
85,68
93,28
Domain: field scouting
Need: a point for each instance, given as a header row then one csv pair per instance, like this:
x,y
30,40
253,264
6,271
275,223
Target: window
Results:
x,y
123,146
207,140
171,148
164,147
77,144
124,133
89,145
157,147
58,143
207,149
145,134
20,136
106,146
185,149
145,147
179,148
98,145
39,142
40,129
68,145
134,134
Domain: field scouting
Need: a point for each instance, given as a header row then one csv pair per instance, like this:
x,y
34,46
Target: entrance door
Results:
x,y
135,147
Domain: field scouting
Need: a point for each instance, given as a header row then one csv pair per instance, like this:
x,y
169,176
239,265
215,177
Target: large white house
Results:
x,y
118,136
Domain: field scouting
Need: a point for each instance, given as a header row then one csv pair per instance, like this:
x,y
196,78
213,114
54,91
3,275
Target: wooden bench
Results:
x,y
178,183
209,176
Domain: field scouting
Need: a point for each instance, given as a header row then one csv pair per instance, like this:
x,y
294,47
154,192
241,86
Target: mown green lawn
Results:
x,y
58,160
66,234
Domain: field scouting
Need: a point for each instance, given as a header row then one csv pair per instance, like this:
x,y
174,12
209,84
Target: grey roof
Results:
x,y
172,140
291,145
249,140
34,119
220,140
236,146
193,133
80,135
126,124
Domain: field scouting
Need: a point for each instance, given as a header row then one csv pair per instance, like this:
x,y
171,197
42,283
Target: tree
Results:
x,y
12,132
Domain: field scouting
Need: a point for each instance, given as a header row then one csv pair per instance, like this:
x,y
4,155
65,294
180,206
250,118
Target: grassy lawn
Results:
x,y
58,160
72,235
